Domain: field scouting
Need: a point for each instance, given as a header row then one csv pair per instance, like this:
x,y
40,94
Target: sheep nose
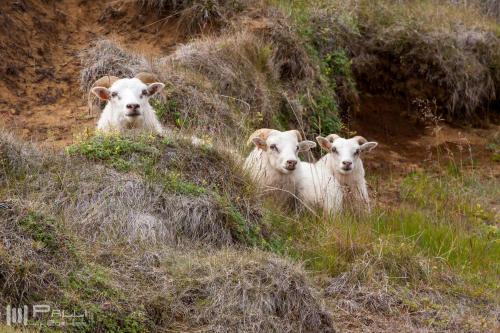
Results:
x,y
133,107
291,164
347,163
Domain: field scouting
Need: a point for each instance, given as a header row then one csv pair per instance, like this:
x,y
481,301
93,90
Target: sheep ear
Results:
x,y
368,146
260,143
101,92
306,145
324,143
153,88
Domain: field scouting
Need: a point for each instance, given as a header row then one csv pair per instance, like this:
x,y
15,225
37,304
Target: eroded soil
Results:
x,y
40,96
41,99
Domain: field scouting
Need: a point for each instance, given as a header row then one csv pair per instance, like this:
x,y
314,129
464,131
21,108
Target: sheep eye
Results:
x,y
334,150
356,152
114,94
273,147
297,148
144,93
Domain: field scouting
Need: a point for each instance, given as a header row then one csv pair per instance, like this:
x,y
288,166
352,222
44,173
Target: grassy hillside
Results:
x,y
155,234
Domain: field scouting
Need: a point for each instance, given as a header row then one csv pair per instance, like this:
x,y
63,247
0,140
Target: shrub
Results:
x,y
196,15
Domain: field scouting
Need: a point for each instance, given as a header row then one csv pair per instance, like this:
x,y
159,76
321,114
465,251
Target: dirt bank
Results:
x,y
41,99
40,41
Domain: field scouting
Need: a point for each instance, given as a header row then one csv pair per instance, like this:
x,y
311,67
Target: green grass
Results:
x,y
389,43
173,182
494,148
42,230
115,150
336,90
324,119
87,288
139,154
440,222
168,110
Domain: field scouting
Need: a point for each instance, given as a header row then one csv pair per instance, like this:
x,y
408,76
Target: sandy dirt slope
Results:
x,y
40,41
40,96
408,144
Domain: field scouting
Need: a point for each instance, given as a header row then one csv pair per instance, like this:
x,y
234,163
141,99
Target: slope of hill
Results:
x,y
155,234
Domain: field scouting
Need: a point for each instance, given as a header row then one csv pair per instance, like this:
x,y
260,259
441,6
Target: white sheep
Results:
x,y
128,103
274,159
337,180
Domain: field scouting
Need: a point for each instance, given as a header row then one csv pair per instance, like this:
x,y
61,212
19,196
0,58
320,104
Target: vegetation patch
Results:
x,y
194,16
115,150
227,284
443,234
429,50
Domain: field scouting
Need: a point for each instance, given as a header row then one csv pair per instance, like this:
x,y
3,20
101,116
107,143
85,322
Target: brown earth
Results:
x,y
41,99
407,143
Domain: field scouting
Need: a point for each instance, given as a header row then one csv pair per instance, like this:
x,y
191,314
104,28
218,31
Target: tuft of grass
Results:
x,y
223,284
438,249
114,149
494,148
167,109
325,115
194,16
488,7
41,230
106,57
419,49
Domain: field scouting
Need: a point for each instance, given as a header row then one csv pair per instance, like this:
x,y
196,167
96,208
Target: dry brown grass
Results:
x,y
369,291
223,86
423,50
27,265
246,292
107,58
488,7
196,15
236,70
79,234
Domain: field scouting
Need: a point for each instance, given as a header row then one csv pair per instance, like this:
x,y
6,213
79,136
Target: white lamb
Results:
x,y
128,103
337,180
274,160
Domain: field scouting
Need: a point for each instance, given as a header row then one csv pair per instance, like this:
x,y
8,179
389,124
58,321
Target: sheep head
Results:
x,y
281,148
345,153
130,97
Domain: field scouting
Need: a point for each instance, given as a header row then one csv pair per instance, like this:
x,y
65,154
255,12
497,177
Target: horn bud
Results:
x,y
262,133
105,81
146,77
297,133
360,140
332,137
